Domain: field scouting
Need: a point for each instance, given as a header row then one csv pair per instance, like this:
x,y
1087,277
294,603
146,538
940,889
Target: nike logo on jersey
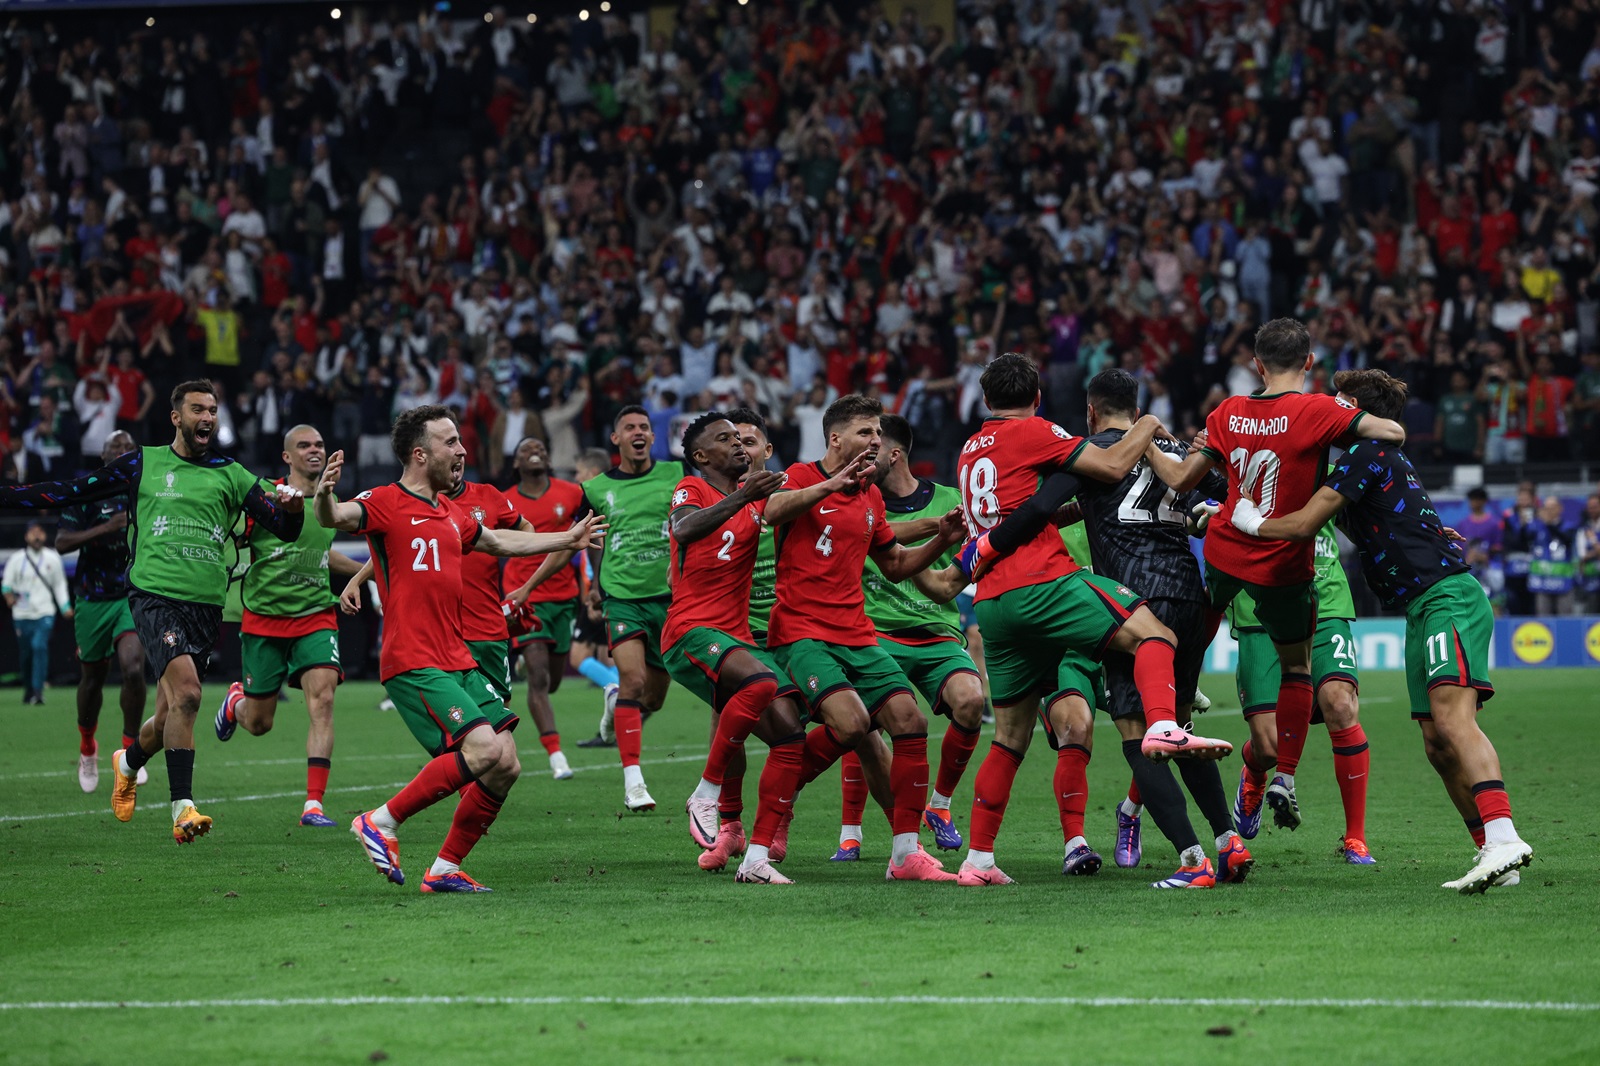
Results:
x,y
419,521
1436,669
826,510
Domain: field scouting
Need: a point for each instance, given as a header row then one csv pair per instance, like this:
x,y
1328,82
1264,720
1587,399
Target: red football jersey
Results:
x,y
416,555
710,577
1276,451
821,556
999,469
561,505
481,617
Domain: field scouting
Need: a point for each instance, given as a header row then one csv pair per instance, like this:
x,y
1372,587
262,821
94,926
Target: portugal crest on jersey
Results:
x,y
477,515
456,716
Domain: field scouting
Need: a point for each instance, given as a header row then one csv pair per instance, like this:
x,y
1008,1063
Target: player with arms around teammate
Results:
x,y
289,632
922,637
1046,622
718,520
1334,678
1410,562
819,627
636,497
1274,445
544,589
102,621
418,537
184,499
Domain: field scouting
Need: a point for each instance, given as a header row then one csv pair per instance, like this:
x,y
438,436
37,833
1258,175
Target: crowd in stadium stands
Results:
x,y
774,203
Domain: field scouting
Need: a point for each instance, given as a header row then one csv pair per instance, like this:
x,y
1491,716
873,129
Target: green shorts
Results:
x,y
929,667
440,706
819,670
98,626
1048,639
1333,658
1288,613
555,626
494,662
695,662
637,620
1449,629
271,662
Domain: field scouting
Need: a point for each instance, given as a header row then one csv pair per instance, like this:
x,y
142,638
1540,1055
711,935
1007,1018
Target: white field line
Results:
x,y
810,1001
342,789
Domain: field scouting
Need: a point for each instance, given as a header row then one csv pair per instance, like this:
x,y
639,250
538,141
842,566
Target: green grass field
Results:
x,y
270,929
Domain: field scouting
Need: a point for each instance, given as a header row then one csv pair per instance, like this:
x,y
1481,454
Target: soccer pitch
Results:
x,y
268,943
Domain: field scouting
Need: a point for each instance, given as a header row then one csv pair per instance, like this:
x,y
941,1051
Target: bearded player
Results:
x,y
289,632
1410,561
418,537
1274,444
820,631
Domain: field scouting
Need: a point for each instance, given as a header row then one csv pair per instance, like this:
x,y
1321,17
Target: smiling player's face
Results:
x,y
196,419
634,436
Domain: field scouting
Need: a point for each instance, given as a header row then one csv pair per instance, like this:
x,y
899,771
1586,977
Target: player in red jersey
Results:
x,y
1274,445
544,589
418,539
717,521
820,632
1046,622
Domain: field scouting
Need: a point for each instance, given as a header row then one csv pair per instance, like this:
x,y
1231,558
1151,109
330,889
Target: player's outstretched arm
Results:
x,y
552,564
899,562
280,510
690,524
787,506
70,540
1302,525
941,586
1113,463
114,479
350,598
1180,475
1033,514
516,542
342,565
1371,426
330,512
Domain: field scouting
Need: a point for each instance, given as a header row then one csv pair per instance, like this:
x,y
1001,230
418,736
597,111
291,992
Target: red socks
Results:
x,y
908,777
474,815
629,726
1351,760
955,751
822,751
443,776
1475,829
780,780
1295,700
317,778
1072,788
1492,801
738,718
991,791
86,741
551,742
1133,793
1255,769
127,741
852,789
1152,675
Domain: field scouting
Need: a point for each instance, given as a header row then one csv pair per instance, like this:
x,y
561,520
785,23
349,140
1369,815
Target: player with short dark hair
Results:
x,y
418,537
1275,445
1410,561
1046,622
101,619
183,501
819,627
289,630
718,518
631,582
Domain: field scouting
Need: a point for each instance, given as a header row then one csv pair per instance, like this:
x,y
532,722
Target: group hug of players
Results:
x,y
806,607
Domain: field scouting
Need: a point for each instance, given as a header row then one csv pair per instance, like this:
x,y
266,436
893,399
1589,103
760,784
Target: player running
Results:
x,y
289,632
1335,679
1409,560
922,637
184,499
544,589
102,620
418,538
1046,622
819,628
718,521
1275,444
636,496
